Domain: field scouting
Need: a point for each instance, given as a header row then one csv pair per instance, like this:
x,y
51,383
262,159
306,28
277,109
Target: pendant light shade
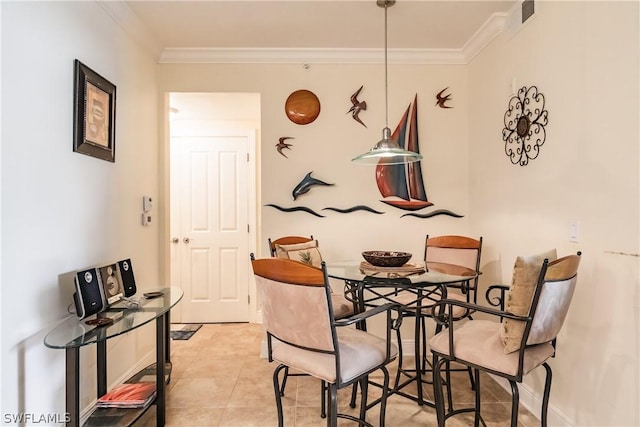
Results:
x,y
387,151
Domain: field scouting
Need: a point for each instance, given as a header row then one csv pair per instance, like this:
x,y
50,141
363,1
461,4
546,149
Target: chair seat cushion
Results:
x,y
342,307
359,352
478,342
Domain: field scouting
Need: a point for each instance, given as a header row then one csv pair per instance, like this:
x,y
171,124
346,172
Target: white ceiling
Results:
x,y
314,24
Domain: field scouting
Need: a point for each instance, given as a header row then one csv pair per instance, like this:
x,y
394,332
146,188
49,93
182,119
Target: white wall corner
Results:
x,y
533,402
485,34
130,23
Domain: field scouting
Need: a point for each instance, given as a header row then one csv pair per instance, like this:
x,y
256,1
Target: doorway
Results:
x,y
213,199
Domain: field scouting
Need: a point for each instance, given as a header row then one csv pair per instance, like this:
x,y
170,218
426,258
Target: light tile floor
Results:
x,y
219,379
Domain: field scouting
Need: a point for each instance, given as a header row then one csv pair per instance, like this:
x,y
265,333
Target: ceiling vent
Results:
x,y
527,10
523,11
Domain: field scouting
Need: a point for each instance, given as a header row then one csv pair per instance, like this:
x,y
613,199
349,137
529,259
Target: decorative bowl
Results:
x,y
386,258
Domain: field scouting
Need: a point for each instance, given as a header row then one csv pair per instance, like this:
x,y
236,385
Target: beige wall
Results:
x,y
61,210
327,145
583,56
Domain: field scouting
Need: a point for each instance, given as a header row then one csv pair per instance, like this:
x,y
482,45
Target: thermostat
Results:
x,y
146,203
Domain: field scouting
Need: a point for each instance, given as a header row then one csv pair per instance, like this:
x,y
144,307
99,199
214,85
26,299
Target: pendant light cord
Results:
x,y
386,82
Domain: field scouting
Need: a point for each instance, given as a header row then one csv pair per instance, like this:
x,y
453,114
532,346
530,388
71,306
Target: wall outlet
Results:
x,y
146,219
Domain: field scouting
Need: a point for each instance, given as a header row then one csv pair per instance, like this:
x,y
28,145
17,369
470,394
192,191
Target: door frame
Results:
x,y
212,128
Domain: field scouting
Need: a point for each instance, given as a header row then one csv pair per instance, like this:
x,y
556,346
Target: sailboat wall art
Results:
x,y
402,185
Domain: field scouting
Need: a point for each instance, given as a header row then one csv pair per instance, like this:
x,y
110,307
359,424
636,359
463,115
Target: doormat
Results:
x,y
184,332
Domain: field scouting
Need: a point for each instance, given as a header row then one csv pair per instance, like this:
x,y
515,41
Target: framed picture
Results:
x,y
94,114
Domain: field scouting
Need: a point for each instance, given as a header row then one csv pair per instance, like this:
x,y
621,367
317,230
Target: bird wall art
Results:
x,y
357,106
281,145
441,99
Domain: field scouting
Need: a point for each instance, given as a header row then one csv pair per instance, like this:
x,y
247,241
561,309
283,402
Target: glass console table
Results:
x,y
74,333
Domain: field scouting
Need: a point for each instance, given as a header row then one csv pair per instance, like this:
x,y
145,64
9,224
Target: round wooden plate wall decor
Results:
x,y
302,107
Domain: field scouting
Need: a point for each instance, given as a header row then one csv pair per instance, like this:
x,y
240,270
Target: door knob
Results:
x,y
186,240
175,240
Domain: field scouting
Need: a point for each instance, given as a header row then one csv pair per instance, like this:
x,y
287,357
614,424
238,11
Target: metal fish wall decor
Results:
x,y
305,185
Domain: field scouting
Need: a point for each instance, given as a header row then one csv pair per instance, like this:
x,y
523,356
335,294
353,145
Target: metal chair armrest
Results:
x,y
391,322
359,317
440,315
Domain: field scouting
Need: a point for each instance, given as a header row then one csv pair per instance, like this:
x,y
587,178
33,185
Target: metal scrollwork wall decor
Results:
x,y
524,124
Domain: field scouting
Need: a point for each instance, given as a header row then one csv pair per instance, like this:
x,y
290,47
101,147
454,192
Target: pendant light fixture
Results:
x,y
387,151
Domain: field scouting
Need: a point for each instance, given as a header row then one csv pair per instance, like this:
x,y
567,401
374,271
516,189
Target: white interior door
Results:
x,y
213,238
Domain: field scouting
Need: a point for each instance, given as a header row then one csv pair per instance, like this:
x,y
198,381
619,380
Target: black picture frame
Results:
x,y
94,114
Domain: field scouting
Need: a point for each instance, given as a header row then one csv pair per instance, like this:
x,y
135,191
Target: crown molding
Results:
x,y
130,23
310,56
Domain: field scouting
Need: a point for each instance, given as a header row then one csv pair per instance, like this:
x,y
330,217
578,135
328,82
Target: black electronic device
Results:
x,y
88,298
125,269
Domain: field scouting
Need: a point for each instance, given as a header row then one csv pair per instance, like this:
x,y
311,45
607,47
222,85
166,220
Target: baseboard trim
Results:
x,y
533,402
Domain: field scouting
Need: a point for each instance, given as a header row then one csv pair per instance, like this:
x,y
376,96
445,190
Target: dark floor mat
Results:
x,y
185,332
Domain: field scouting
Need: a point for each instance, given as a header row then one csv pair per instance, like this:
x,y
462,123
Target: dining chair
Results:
x,y
458,250
522,338
305,249
448,249
303,334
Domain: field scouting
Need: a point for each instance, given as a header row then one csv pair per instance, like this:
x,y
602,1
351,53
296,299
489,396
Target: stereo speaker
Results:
x,y
89,296
126,273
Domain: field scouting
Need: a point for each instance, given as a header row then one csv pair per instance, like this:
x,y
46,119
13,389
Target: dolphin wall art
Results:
x,y
305,185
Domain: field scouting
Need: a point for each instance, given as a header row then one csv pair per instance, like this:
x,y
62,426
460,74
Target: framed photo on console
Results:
x,y
94,114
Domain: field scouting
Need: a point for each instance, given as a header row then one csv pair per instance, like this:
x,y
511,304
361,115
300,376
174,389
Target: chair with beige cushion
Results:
x,y
305,250
536,306
303,333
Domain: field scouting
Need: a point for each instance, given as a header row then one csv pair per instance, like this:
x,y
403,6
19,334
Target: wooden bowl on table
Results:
x,y
386,258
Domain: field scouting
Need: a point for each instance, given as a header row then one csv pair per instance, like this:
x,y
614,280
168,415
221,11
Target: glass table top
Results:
x,y
74,332
430,273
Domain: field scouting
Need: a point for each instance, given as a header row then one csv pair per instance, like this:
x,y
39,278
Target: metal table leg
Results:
x,y
72,356
101,367
161,385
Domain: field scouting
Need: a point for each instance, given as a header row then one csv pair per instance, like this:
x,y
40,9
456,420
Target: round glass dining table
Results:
x,y
416,286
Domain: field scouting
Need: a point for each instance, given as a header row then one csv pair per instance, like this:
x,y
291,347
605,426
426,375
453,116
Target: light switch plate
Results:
x,y
574,231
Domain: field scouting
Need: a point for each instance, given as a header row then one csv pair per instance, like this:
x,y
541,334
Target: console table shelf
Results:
x,y
73,333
